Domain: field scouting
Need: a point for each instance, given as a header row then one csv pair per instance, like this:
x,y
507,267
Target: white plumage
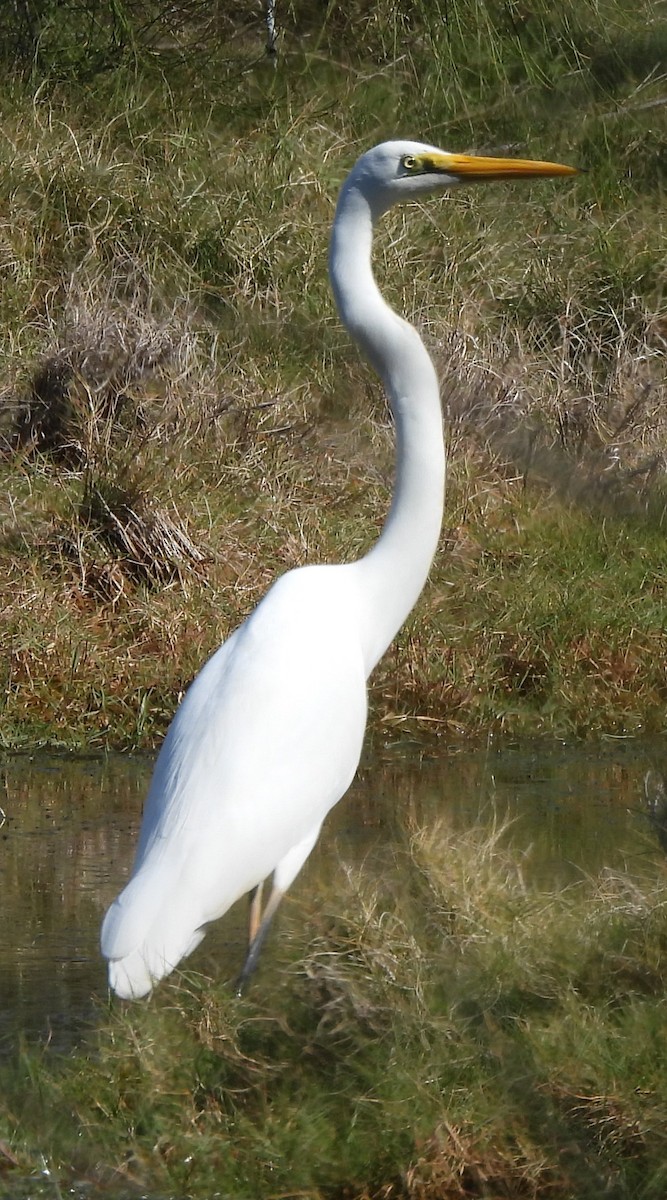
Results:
x,y
269,735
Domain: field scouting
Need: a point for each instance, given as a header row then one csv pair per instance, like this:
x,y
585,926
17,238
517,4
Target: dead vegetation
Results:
x,y
594,434
118,388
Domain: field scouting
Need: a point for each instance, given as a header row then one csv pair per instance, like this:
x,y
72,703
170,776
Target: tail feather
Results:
x,y
136,975
133,913
145,934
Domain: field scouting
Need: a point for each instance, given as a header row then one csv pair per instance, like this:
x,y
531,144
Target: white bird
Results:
x,y
268,737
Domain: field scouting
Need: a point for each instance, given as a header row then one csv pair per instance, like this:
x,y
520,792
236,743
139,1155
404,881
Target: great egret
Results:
x,y
269,735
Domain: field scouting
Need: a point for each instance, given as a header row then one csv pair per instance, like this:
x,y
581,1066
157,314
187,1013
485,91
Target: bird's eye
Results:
x,y
409,162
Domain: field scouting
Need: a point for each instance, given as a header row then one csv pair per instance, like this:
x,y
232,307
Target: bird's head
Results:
x,y
401,171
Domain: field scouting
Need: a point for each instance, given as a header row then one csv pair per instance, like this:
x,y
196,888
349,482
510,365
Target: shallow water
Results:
x,y
69,827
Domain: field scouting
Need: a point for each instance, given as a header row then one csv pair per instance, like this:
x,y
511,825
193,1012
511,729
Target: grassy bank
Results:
x,y
440,1030
183,417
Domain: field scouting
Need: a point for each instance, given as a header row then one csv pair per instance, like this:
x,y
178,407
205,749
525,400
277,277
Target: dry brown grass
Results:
x,y
183,417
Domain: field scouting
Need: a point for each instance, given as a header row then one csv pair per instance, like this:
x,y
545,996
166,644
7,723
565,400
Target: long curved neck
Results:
x,y
394,571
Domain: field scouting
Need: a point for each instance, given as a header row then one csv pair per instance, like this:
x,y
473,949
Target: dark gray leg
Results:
x,y
258,940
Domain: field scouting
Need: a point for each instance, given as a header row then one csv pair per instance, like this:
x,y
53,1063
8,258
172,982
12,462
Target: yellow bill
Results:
x,y
477,167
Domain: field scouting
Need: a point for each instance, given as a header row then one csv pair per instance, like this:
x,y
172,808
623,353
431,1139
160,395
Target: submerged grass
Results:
x,y
441,1029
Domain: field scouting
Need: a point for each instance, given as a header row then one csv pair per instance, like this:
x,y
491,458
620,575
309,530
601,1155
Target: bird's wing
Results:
x,y
266,740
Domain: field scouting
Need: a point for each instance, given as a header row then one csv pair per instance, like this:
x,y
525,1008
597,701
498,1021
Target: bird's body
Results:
x,y
269,735
256,756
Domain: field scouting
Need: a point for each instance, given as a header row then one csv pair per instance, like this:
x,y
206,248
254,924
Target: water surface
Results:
x,y
69,827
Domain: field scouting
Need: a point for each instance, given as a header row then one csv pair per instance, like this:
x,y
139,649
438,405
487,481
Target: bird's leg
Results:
x,y
260,937
255,913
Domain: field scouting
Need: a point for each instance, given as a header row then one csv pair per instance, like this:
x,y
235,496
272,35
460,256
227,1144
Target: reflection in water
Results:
x,y
655,795
70,826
